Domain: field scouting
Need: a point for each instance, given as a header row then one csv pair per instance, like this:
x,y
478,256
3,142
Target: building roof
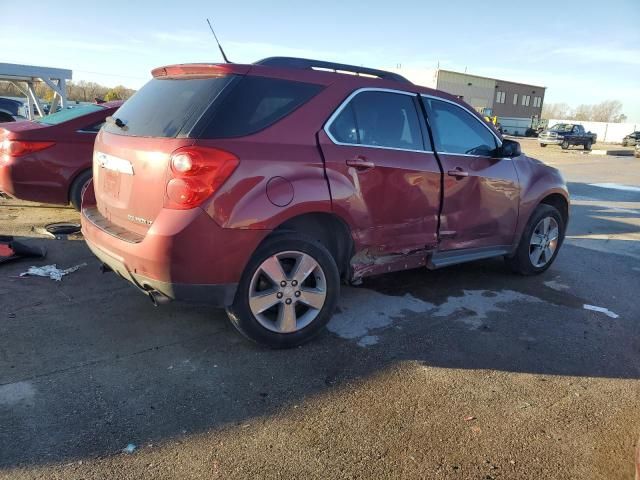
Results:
x,y
490,78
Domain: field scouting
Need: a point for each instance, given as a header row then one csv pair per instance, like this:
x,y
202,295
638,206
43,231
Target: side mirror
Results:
x,y
509,148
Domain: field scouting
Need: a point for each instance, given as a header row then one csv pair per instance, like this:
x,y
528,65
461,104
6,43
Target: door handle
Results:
x,y
360,163
458,173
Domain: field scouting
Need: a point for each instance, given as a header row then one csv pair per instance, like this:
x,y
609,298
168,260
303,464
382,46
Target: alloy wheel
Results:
x,y
544,242
287,291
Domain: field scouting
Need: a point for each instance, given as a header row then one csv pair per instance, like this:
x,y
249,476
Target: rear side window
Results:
x,y
457,131
167,107
256,103
379,119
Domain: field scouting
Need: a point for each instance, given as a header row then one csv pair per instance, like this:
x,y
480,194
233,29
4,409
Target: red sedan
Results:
x,y
49,160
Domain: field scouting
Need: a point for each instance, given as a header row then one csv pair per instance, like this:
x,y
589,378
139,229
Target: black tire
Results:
x,y
520,262
587,145
75,191
565,145
624,143
240,313
543,145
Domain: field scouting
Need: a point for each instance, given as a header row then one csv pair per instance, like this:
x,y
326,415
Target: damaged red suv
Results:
x,y
260,188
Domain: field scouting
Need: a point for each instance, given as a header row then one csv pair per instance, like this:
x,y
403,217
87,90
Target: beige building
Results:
x,y
515,104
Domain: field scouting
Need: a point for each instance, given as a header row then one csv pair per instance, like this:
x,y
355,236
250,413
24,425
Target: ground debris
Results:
x,y
51,271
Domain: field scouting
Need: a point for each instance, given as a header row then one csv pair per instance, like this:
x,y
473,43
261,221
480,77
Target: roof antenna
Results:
x,y
219,46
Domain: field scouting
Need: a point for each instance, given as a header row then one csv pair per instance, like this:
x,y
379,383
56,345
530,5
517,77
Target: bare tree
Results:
x,y
583,112
606,111
556,110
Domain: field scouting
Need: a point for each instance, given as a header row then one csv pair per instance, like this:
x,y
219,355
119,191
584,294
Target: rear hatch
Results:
x,y
133,150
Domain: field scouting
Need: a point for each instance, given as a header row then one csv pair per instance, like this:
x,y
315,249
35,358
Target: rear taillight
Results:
x,y
196,173
18,148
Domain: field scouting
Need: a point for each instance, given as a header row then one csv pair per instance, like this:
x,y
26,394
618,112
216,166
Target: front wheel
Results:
x,y
565,145
287,292
543,145
540,242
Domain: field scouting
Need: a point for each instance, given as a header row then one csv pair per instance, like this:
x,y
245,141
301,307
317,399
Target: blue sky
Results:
x,y
584,52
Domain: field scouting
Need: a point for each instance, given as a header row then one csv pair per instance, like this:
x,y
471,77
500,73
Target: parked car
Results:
x,y
11,110
567,134
49,159
636,153
258,188
631,139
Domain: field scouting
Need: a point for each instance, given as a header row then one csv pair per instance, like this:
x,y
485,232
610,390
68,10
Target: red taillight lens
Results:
x,y
18,148
196,173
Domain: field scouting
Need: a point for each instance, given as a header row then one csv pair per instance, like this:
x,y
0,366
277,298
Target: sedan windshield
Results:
x,y
69,114
562,127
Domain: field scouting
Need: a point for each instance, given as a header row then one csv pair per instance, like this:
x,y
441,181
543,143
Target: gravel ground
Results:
x,y
467,372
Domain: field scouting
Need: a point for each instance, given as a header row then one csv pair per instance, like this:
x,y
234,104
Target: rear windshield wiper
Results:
x,y
117,122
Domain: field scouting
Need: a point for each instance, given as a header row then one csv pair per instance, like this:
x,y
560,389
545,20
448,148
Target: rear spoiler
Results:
x,y
200,70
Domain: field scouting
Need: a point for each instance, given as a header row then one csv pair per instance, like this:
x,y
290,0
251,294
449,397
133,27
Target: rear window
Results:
x,y
254,104
69,114
168,107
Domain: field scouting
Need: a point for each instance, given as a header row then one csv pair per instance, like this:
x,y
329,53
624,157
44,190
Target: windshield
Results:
x,y
562,127
69,114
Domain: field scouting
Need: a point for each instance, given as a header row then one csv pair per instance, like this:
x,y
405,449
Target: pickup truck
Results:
x,y
567,134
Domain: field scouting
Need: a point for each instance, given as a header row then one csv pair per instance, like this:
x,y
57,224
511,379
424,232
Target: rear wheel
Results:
x,y
565,145
287,293
540,242
587,145
75,192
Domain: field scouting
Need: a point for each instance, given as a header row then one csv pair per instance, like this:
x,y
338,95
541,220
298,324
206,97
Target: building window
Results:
x,y
537,101
525,100
515,98
500,97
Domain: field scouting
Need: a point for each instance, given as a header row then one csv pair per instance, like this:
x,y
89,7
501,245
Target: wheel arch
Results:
x,y
560,203
74,177
328,229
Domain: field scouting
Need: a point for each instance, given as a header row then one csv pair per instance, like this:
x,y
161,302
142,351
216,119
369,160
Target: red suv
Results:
x,y
260,187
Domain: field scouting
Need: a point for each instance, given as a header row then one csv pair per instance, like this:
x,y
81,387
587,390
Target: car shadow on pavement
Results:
x,y
88,365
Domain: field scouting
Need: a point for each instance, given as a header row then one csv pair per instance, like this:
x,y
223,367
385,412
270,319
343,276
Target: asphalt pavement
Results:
x,y
466,372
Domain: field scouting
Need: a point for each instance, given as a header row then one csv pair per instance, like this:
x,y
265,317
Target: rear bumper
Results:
x,y
217,295
184,255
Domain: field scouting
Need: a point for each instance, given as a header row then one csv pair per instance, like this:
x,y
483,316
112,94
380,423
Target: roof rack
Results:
x,y
308,64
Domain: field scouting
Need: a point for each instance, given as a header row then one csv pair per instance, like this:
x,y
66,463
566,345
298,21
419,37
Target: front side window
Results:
x,y
379,119
456,131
